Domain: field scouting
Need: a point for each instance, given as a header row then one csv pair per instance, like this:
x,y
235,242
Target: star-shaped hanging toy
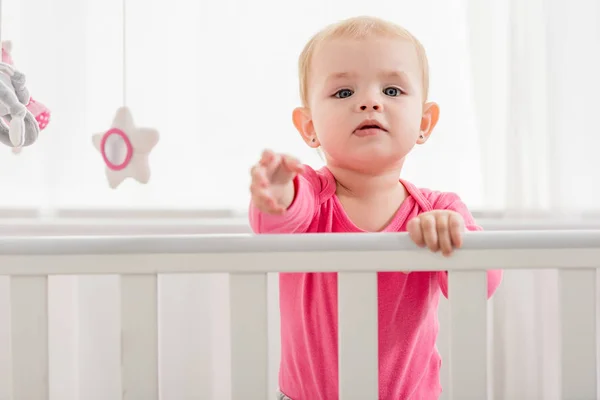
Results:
x,y
125,149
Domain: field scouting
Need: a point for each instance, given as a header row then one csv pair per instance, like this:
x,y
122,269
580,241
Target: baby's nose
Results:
x,y
374,106
370,105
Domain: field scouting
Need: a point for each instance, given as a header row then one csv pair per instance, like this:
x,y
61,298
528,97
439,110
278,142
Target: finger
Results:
x,y
266,157
429,232
443,234
273,166
261,203
415,232
287,168
259,194
272,163
456,225
292,164
263,200
259,176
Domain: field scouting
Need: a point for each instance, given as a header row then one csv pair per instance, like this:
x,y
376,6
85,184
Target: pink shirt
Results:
x,y
409,363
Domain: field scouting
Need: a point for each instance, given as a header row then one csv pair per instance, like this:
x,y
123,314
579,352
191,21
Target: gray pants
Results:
x,y
281,396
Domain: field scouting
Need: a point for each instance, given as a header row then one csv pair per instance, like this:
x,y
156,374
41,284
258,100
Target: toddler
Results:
x,y
363,84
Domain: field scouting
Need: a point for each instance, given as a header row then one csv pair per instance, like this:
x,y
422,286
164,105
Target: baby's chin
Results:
x,y
373,158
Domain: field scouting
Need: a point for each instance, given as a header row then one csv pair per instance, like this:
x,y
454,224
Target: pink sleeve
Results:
x,y
450,201
298,216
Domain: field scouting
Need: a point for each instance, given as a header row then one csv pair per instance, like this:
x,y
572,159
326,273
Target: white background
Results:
x,y
219,81
517,83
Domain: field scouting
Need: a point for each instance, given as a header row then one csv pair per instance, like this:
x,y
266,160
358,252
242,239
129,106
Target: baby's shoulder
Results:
x,y
430,199
321,180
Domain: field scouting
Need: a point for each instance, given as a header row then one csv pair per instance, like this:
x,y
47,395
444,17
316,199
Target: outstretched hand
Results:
x,y
272,186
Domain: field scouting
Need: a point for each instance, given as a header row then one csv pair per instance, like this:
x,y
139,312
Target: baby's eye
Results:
x,y
392,91
342,94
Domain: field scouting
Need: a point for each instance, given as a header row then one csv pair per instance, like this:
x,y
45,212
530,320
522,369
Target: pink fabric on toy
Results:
x,y
39,110
6,57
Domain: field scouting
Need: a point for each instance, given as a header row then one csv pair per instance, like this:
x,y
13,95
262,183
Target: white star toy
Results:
x,y
125,149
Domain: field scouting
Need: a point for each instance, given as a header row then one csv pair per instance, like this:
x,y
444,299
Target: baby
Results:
x,y
363,84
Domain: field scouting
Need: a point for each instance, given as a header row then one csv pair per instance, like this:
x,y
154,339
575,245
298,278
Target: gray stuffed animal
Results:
x,y
18,127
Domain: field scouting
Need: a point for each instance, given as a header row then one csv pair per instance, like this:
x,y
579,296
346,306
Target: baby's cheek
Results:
x,y
331,126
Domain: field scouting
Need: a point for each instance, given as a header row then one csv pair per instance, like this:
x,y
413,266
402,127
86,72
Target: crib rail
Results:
x,y
357,258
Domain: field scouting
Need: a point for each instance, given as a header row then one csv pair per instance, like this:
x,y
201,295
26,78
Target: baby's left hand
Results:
x,y
438,230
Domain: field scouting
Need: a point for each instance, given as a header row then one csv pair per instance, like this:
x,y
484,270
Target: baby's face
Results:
x,y
375,81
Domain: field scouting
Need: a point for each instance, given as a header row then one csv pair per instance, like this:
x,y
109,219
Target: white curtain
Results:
x,y
219,81
516,80
535,76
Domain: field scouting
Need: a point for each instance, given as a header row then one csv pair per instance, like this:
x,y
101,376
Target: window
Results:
x,y
219,81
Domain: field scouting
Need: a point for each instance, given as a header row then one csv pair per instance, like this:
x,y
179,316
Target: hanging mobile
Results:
x,y
125,147
18,127
38,109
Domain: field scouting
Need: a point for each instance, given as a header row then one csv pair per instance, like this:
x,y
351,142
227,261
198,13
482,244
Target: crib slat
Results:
x,y
358,334
139,337
468,335
29,317
5,334
578,333
249,341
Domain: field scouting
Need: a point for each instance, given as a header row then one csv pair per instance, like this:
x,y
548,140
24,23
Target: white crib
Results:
x,y
28,261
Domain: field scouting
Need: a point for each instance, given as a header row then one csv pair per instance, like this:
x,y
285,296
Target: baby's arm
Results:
x,y
441,229
283,198
450,201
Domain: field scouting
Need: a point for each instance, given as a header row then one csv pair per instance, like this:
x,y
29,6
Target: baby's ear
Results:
x,y
303,123
431,115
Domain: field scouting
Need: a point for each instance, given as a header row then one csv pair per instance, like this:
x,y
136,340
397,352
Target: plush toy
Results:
x,y
20,129
18,126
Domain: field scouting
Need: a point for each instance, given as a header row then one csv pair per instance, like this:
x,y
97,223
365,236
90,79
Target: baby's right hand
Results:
x,y
272,186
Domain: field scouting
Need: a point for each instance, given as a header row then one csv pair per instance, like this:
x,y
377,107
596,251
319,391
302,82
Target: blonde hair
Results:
x,y
358,28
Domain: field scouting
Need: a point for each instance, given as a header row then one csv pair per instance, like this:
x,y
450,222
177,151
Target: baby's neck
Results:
x,y
367,186
370,201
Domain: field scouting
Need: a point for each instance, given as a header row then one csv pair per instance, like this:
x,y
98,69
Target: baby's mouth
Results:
x,y
369,128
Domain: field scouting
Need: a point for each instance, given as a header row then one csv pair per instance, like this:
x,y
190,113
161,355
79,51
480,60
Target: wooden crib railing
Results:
x,y
30,260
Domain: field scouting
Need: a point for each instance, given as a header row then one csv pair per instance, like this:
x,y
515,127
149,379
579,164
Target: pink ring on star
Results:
x,y
129,147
